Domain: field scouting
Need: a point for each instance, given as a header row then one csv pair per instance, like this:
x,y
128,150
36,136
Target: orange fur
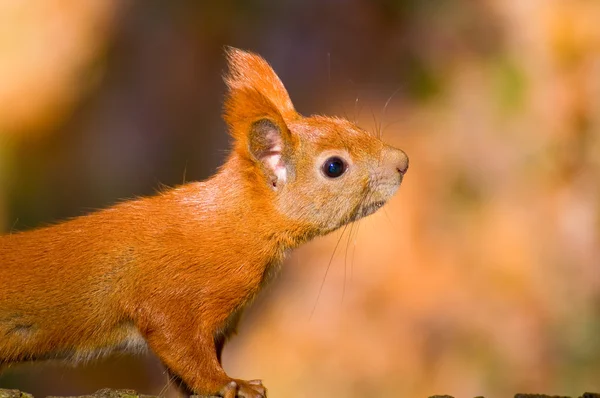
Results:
x,y
176,270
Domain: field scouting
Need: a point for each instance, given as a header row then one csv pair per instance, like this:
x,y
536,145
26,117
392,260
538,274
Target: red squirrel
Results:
x,y
174,272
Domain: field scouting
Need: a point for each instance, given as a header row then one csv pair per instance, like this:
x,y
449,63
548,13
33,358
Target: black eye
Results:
x,y
334,167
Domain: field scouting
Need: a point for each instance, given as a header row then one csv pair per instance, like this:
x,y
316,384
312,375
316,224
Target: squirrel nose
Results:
x,y
397,158
402,166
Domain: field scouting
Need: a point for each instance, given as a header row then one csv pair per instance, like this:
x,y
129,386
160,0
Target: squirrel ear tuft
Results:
x,y
250,71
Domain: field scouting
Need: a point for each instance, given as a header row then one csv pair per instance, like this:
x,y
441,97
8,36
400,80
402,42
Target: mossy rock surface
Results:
x,y
14,394
110,393
585,395
104,393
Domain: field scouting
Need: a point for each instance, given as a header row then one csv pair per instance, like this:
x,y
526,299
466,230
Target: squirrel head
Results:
x,y
319,173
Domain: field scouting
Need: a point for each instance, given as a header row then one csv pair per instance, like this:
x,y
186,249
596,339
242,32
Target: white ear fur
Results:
x,y
266,145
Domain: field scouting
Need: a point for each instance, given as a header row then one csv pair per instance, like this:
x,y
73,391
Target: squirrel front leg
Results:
x,y
188,349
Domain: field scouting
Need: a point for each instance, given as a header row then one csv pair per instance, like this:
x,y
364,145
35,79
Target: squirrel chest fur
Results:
x,y
175,271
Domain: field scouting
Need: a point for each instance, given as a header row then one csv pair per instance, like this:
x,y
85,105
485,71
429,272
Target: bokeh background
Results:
x,y
482,277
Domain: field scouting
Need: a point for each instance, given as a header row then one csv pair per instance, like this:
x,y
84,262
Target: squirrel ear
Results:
x,y
267,145
248,70
257,109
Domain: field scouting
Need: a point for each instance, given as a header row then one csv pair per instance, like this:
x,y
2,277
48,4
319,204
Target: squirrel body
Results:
x,y
175,271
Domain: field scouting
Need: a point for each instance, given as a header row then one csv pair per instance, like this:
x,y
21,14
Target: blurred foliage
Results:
x,y
480,278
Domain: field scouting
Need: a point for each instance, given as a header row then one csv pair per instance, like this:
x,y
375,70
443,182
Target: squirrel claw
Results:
x,y
244,389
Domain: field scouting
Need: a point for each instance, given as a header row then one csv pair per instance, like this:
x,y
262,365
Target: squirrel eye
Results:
x,y
334,167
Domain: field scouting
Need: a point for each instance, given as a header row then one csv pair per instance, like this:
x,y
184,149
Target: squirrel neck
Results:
x,y
238,200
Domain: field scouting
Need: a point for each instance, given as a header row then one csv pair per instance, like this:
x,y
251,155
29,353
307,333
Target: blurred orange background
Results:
x,y
481,277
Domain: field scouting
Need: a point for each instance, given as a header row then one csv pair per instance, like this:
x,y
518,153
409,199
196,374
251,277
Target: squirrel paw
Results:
x,y
244,389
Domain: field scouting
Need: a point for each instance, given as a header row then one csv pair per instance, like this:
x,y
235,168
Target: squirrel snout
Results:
x,y
396,158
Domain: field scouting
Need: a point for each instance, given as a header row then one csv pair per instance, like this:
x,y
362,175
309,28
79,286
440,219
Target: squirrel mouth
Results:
x,y
368,209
